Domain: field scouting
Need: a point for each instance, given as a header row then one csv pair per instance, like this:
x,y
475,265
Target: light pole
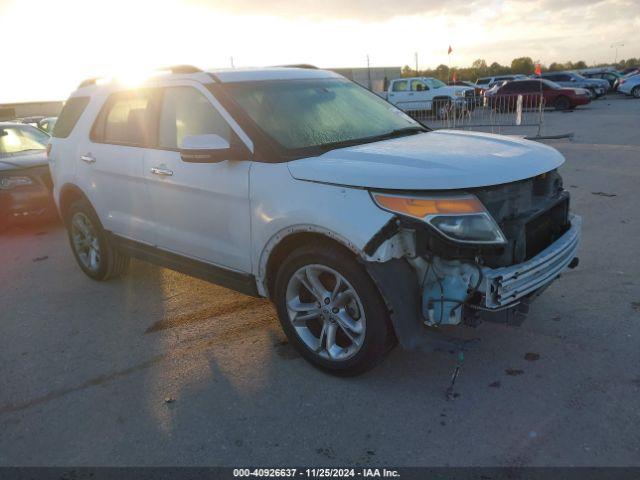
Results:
x,y
616,46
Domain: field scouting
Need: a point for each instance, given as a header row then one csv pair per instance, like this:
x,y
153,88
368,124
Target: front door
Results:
x,y
200,210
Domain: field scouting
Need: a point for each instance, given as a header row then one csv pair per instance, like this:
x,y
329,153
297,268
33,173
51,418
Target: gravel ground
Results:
x,y
161,369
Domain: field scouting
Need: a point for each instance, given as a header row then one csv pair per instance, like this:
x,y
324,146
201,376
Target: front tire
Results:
x,y
91,247
331,310
636,91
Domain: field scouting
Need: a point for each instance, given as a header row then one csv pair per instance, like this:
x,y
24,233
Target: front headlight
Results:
x,y
459,93
10,182
461,218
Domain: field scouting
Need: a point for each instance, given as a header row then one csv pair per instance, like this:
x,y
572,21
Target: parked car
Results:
x,y
429,94
629,70
597,87
611,77
464,83
477,90
33,121
47,124
25,181
364,227
488,82
630,85
631,73
504,98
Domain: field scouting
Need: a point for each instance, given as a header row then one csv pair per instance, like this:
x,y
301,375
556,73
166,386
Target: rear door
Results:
x,y
200,210
111,162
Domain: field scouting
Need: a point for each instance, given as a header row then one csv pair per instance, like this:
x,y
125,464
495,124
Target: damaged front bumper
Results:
x,y
423,310
505,286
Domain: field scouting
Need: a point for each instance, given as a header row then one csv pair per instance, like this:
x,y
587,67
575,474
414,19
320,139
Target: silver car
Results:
x,y
596,86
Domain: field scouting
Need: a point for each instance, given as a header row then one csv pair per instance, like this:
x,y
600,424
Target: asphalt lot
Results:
x,y
162,369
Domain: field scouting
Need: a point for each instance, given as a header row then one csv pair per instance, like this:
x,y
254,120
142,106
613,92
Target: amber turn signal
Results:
x,y
423,207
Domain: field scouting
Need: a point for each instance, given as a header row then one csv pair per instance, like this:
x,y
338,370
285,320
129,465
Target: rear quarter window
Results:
x,y
69,116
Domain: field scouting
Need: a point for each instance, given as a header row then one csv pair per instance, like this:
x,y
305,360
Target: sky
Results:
x,y
49,47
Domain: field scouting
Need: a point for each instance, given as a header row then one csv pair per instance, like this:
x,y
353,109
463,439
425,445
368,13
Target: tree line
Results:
x,y
524,65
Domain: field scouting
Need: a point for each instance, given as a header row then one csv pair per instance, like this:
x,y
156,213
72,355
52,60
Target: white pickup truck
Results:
x,y
428,94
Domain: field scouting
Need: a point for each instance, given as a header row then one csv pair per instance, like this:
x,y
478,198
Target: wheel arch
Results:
x,y
69,193
276,249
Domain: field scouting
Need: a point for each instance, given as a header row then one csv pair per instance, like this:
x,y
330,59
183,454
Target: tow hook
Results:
x,y
574,263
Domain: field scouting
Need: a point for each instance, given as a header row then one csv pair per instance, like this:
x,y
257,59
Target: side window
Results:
x,y
418,86
127,118
69,116
186,111
482,81
400,86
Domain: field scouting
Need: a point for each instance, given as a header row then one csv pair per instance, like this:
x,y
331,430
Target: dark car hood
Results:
x,y
23,160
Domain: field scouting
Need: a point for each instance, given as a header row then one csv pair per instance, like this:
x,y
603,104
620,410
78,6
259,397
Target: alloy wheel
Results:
x,y
326,312
85,241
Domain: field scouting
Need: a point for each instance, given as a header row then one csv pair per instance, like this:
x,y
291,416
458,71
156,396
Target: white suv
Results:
x,y
364,227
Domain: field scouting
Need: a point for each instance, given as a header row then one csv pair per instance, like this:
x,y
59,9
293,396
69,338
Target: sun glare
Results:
x,y
124,38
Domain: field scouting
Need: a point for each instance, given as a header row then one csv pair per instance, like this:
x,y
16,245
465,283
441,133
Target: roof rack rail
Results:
x,y
89,81
175,69
181,69
300,65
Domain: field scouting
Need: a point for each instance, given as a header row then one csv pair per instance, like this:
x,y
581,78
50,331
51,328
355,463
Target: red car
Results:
x,y
504,97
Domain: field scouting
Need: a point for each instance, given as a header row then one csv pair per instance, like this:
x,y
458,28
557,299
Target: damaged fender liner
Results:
x,y
387,231
399,287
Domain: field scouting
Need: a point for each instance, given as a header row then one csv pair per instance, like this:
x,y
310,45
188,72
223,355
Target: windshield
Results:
x,y
302,114
434,83
16,139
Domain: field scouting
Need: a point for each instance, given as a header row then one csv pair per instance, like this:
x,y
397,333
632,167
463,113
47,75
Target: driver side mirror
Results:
x,y
209,148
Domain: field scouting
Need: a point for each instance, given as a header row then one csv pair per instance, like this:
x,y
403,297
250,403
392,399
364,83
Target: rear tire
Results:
x,y
343,330
90,245
562,103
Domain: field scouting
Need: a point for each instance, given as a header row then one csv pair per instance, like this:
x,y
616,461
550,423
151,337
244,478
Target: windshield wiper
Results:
x,y
398,132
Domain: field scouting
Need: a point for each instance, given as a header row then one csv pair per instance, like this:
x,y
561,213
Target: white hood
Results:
x,y
452,89
438,160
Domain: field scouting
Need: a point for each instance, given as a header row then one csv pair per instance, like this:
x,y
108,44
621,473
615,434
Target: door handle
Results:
x,y
161,171
88,158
